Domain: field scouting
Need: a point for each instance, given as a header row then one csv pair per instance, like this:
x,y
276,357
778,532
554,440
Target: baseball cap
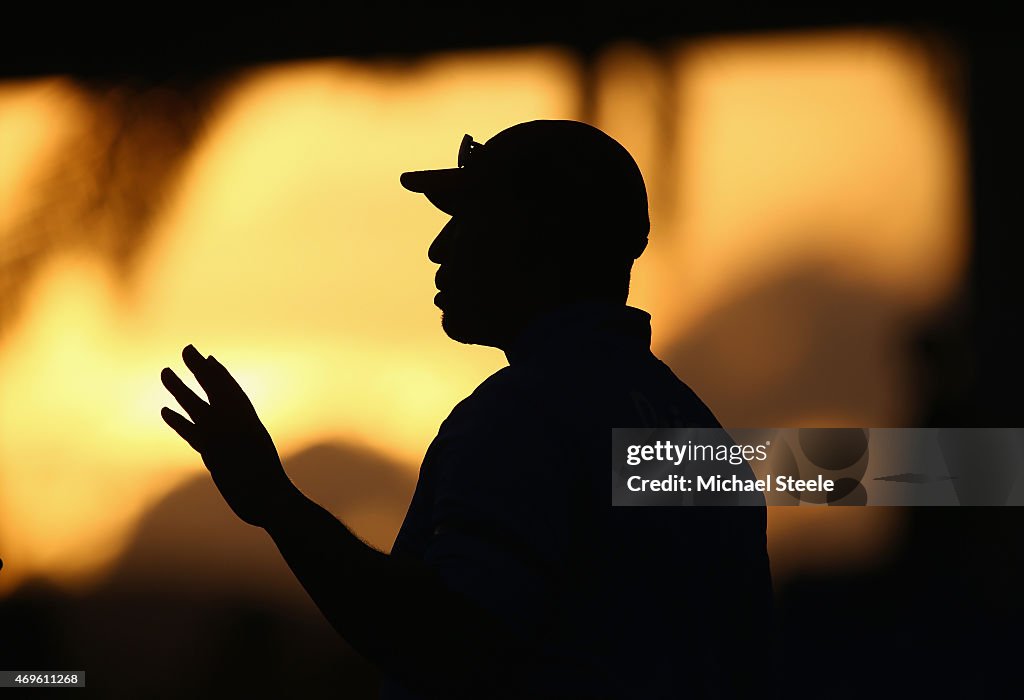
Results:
x,y
564,172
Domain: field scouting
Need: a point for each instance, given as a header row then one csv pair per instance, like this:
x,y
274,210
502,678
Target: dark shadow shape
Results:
x,y
201,605
797,345
191,541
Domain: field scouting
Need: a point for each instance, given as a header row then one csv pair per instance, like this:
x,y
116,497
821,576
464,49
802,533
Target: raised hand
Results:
x,y
227,433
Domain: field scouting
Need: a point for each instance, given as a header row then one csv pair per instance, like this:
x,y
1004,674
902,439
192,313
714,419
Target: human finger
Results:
x,y
185,429
217,382
227,383
199,367
196,408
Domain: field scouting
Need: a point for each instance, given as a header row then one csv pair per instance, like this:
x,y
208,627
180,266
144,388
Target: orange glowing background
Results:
x,y
808,200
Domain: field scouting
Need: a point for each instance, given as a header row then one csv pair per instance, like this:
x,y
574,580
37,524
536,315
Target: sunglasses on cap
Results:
x,y
467,149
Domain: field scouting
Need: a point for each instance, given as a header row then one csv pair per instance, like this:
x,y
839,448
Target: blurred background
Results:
x,y
831,246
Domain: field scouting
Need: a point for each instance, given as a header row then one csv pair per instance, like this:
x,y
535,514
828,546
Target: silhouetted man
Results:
x,y
512,575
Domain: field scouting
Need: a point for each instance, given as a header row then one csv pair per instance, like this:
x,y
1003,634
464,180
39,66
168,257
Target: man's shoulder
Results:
x,y
535,393
507,395
589,393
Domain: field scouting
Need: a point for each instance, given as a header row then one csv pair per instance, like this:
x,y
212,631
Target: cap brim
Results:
x,y
446,189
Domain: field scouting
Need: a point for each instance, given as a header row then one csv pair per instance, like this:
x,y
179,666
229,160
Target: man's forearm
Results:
x,y
332,564
396,612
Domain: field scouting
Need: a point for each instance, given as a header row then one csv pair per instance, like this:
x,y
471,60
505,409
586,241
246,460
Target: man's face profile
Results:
x,y
484,279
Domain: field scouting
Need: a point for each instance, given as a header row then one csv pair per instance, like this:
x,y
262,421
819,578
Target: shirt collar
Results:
x,y
575,326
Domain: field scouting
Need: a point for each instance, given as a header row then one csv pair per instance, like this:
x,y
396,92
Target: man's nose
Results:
x,y
438,250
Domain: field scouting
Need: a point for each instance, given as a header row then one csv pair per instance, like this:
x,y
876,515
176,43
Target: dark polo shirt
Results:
x,y
513,510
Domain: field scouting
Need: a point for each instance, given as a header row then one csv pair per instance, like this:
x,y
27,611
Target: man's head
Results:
x,y
544,213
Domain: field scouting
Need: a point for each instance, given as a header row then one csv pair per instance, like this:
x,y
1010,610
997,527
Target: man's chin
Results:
x,y
455,328
468,328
